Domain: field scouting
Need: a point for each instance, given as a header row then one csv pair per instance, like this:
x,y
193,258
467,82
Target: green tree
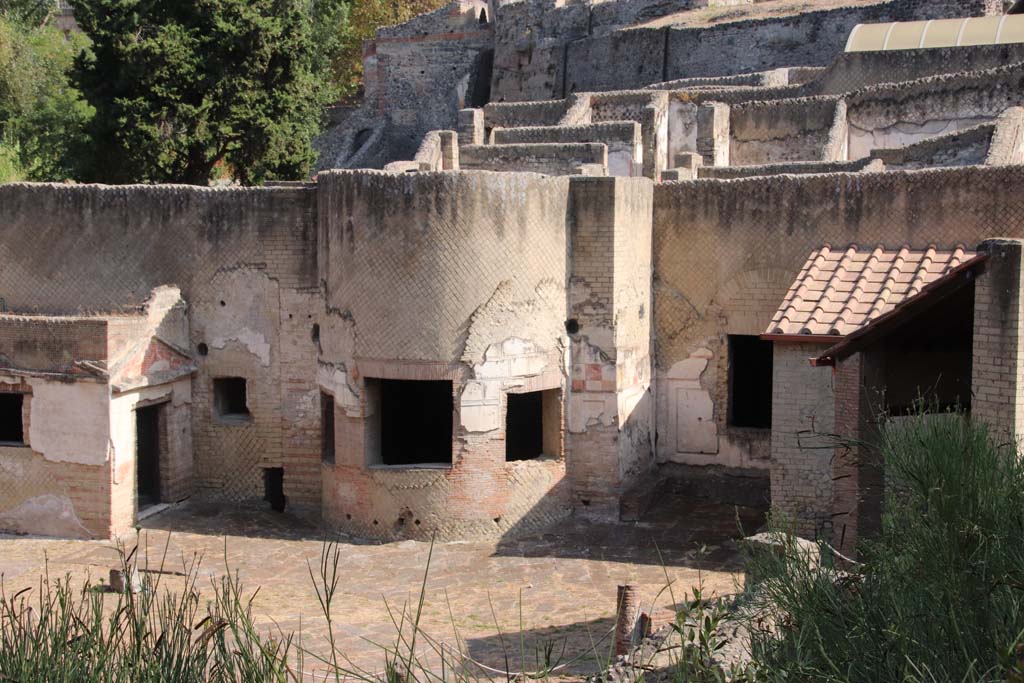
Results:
x,y
185,87
332,34
42,116
31,13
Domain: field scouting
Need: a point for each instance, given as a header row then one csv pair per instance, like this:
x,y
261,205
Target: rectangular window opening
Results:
x,y
12,429
750,382
409,421
229,397
326,427
533,425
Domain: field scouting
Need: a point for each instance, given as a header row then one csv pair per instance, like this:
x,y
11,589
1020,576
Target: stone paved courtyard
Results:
x,y
561,583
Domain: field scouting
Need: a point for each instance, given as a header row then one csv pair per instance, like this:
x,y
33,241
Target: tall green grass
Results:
x,y
940,593
57,632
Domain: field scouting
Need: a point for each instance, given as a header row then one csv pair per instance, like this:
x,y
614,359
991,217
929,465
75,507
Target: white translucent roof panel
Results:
x,y
914,35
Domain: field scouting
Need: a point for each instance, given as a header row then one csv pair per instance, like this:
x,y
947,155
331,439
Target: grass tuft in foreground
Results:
x,y
57,632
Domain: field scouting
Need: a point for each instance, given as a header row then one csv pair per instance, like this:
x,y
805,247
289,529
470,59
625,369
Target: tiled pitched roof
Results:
x,y
839,291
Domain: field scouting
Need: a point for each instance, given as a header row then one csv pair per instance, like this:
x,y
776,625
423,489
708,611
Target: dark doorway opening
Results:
x,y
273,488
413,421
147,455
326,428
478,90
750,382
926,363
12,427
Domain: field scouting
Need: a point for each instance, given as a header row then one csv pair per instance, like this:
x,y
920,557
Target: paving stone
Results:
x,y
560,585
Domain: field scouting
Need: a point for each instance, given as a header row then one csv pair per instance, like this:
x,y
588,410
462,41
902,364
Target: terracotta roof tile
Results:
x,y
838,292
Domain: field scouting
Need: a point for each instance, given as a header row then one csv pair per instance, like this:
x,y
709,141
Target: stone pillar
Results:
x,y
609,412
449,150
471,127
996,382
713,130
684,168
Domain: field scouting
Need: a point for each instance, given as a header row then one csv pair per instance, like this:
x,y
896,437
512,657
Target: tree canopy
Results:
x,y
184,87
178,90
42,117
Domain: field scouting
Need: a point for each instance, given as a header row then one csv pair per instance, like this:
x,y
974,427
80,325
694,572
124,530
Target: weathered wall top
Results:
x,y
87,248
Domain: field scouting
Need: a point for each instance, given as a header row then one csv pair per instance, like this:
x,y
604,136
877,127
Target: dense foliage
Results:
x,y
182,87
176,90
42,117
940,594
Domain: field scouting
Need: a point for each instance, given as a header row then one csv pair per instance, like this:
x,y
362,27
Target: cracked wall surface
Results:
x,y
244,262
727,251
442,276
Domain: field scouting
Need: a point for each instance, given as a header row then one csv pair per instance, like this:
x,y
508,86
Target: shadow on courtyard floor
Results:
x,y
578,649
679,522
213,518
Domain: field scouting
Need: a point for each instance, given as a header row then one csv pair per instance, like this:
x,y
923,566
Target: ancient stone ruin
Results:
x,y
603,237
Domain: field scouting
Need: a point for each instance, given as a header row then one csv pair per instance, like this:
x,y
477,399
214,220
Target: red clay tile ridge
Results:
x,y
838,292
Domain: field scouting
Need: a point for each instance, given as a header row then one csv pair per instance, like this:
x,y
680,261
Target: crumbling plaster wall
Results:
x,y
442,276
58,483
726,252
967,148
783,130
175,463
610,411
899,115
254,249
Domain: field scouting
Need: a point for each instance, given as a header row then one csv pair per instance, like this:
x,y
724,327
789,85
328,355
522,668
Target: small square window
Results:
x,y
533,425
12,429
750,382
229,397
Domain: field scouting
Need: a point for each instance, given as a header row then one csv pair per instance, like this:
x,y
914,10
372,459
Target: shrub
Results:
x,y
940,593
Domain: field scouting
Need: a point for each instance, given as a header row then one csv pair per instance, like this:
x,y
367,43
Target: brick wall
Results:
x,y
803,441
998,393
856,468
459,280
253,249
710,235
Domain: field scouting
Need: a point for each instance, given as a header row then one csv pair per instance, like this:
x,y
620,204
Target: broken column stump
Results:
x,y
627,616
